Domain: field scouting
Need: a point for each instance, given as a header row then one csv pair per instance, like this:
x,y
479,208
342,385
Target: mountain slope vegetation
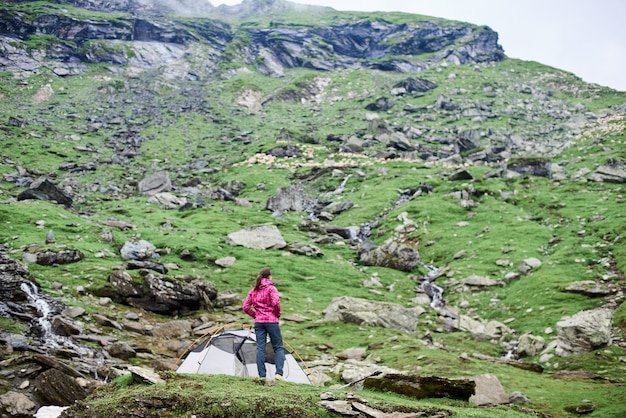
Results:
x,y
407,130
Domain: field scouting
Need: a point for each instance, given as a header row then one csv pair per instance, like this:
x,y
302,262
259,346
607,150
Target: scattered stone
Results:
x,y
258,237
225,261
585,331
489,391
528,265
371,313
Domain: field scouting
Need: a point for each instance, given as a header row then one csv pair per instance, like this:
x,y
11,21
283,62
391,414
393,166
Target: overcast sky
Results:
x,y
585,37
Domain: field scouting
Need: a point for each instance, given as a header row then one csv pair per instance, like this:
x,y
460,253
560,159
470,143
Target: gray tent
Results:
x,y
234,353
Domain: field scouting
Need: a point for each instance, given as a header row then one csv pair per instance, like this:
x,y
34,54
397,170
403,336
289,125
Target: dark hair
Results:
x,y
264,273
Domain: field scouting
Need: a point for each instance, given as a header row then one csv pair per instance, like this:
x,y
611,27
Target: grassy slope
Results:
x,y
541,210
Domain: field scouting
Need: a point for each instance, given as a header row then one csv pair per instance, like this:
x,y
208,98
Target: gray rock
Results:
x,y
480,281
228,298
391,254
529,264
225,261
50,258
163,295
482,330
105,321
355,353
44,189
137,249
258,237
609,174
172,329
64,327
142,376
286,199
583,332
58,388
489,391
167,200
155,183
12,274
529,345
121,350
370,313
302,248
589,288
17,404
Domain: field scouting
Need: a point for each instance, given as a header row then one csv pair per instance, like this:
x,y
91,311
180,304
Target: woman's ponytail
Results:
x,y
264,273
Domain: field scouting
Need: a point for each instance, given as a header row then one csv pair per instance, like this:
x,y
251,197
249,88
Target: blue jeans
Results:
x,y
262,329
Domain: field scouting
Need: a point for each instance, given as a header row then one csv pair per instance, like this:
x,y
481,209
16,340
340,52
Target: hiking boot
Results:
x,y
280,377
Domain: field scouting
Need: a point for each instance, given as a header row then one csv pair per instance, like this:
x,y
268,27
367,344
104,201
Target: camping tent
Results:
x,y
234,353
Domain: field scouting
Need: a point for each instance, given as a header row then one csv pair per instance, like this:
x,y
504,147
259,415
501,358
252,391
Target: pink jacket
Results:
x,y
263,304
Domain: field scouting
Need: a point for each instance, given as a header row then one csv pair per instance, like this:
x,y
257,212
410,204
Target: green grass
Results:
x,y
574,228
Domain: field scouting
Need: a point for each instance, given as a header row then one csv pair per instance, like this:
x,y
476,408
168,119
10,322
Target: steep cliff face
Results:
x,y
114,32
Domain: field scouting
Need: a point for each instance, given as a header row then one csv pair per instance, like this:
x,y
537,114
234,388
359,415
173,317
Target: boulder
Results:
x,y
392,255
225,261
121,350
155,183
172,329
17,404
257,237
583,332
347,232
57,388
534,166
412,85
167,200
589,288
375,314
609,174
51,258
137,249
482,330
303,248
489,391
422,387
529,264
12,274
286,199
44,189
65,327
162,295
529,345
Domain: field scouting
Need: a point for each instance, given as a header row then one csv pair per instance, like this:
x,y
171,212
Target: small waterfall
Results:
x,y
43,308
435,292
431,289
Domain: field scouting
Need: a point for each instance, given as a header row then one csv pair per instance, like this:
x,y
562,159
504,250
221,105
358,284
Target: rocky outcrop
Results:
x,y
421,387
12,275
44,189
391,254
258,237
370,313
583,332
286,199
159,294
363,44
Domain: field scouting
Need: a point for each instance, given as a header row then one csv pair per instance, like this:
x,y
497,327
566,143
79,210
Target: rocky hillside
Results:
x,y
428,206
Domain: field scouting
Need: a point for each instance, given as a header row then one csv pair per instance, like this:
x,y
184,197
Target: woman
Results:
x,y
263,304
